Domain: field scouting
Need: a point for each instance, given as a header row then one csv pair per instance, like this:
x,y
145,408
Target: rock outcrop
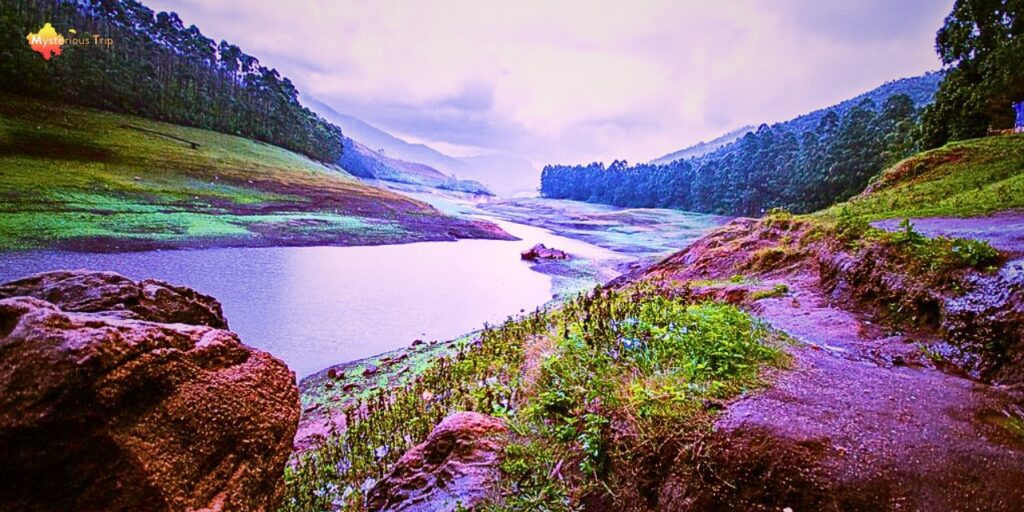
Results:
x,y
542,252
104,405
456,466
88,292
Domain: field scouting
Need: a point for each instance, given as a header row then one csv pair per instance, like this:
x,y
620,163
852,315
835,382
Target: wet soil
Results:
x,y
864,419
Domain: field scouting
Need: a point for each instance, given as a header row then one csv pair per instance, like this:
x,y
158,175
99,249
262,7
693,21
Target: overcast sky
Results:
x,y
568,82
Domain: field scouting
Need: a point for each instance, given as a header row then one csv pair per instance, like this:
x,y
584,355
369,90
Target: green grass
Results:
x,y
1015,420
966,178
70,174
640,358
779,290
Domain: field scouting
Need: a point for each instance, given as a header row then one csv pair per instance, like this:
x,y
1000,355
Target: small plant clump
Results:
x,y
779,290
941,254
641,362
769,258
1015,420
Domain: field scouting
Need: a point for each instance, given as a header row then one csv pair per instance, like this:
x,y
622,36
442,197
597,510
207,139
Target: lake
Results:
x,y
318,306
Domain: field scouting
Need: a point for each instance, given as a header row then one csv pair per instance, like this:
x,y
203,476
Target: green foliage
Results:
x,y
779,290
531,464
940,254
159,69
802,165
982,41
907,237
1015,420
637,354
966,178
849,227
480,376
769,258
645,361
974,253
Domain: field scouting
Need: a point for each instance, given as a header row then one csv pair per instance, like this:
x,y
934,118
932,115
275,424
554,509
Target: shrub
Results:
x,y
974,253
849,226
768,258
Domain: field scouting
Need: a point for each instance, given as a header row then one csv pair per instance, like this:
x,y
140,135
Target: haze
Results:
x,y
576,81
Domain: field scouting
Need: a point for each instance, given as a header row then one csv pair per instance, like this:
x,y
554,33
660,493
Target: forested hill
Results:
x,y
920,89
158,68
703,148
803,164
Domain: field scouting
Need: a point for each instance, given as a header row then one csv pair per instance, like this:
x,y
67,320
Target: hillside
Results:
x,y
840,352
803,165
502,174
967,178
79,179
920,90
702,148
159,69
364,162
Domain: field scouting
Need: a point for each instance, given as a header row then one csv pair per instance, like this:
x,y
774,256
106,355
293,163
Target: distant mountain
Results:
x,y
364,162
920,89
703,148
504,175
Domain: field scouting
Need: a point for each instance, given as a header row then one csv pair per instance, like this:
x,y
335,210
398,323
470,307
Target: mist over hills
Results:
x,y
703,148
504,175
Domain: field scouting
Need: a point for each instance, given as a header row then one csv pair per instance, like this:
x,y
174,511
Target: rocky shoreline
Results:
x,y
124,395
112,387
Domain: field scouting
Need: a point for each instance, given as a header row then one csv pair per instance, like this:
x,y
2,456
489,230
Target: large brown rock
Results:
x,y
100,411
456,465
85,291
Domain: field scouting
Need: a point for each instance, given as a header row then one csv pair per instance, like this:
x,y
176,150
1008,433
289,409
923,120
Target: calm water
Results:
x,y
318,306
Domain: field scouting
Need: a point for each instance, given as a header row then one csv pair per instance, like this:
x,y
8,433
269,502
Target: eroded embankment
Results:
x,y
872,415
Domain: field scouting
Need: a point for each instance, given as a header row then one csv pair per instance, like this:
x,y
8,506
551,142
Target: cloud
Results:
x,y
575,81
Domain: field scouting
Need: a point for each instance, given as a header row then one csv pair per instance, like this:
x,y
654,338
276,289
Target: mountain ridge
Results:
x,y
921,90
502,174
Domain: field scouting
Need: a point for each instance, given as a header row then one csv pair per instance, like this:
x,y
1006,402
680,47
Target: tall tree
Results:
x,y
161,69
982,41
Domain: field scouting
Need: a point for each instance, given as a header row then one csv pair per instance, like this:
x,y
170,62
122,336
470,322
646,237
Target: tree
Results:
x,y
982,42
772,167
159,69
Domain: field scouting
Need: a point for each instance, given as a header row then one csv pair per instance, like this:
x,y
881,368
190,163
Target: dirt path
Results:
x,y
864,419
867,422
1003,230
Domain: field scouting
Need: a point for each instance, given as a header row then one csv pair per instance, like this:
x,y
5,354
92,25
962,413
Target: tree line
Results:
x,y
160,69
772,167
788,165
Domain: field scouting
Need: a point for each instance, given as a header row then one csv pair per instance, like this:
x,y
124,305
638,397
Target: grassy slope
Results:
x,y
79,179
967,178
